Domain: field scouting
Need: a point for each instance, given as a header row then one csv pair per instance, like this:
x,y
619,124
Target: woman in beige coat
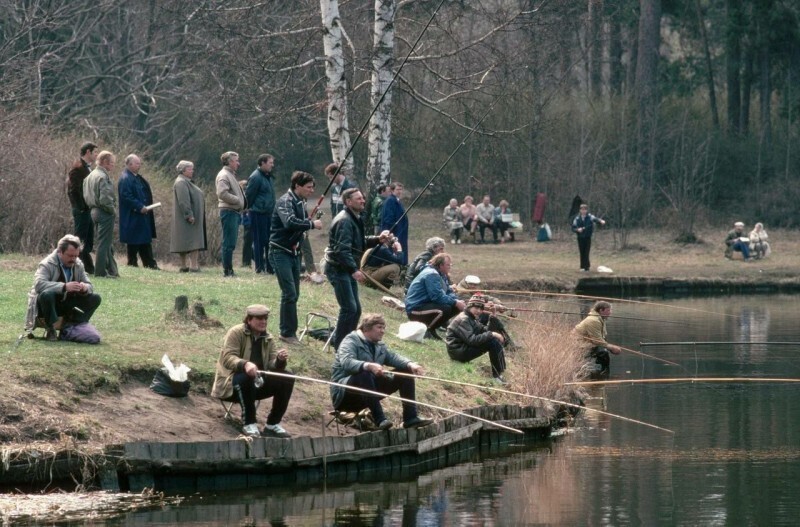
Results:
x,y
188,219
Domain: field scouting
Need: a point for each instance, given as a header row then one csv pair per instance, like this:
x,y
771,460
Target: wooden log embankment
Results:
x,y
308,459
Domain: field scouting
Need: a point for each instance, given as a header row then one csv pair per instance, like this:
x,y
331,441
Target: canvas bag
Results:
x,y
84,333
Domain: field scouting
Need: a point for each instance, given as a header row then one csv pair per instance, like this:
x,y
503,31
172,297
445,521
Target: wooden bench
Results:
x,y
513,230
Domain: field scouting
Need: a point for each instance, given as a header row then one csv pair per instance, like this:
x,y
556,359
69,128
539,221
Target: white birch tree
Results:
x,y
380,126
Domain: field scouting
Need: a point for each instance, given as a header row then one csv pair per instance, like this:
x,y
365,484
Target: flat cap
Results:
x,y
257,310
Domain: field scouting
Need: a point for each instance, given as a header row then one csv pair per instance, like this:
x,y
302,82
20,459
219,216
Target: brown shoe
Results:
x,y
292,341
59,323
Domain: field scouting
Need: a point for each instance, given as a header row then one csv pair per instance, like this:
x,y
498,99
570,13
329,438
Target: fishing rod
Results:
x,y
439,171
718,343
529,310
395,397
554,401
606,298
340,164
685,379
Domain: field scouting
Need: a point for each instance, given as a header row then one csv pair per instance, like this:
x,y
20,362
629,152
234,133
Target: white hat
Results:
x,y
471,279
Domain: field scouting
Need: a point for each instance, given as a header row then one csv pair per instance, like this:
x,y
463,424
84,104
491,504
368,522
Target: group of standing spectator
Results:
x,y
471,218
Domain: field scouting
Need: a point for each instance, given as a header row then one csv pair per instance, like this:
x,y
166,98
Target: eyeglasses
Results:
x,y
260,317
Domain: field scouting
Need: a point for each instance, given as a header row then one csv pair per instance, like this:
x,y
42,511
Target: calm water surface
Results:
x,y
734,458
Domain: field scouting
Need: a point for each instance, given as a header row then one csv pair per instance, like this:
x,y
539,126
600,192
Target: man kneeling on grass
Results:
x,y
468,339
248,350
360,361
62,294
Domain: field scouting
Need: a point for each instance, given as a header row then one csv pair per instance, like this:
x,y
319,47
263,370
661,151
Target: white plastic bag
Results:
x,y
179,374
413,331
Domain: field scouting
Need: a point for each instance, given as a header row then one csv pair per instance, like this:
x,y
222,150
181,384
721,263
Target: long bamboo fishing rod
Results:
x,y
686,380
620,317
718,343
554,401
375,109
607,298
395,397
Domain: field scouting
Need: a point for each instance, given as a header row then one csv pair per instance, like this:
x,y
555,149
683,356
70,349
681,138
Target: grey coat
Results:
x,y
353,353
49,277
188,202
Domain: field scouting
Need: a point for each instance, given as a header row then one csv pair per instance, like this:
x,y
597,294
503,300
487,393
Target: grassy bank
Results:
x,y
56,390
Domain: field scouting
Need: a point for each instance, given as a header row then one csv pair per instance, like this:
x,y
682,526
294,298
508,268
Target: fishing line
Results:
x,y
690,380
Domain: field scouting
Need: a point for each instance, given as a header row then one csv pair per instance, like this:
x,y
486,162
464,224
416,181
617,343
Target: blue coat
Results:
x,y
134,193
260,192
391,211
430,286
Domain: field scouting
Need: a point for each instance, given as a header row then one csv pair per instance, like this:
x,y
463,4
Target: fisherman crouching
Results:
x,y
593,330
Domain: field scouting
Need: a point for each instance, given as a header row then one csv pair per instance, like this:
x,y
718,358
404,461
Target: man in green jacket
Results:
x,y
98,191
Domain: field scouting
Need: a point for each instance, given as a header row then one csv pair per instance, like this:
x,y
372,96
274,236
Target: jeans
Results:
x,y
104,264
260,226
52,304
356,401
743,248
84,229
246,394
346,290
230,231
287,270
493,347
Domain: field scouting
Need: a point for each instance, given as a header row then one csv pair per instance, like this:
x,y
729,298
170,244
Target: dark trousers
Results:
x,y
52,304
602,357
246,394
493,347
494,324
356,401
230,231
433,315
483,226
584,246
260,225
84,229
287,270
145,252
346,290
247,245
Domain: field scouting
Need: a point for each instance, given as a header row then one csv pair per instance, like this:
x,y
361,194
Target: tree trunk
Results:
x,y
615,53
646,82
338,126
712,93
733,63
595,44
765,90
380,126
747,88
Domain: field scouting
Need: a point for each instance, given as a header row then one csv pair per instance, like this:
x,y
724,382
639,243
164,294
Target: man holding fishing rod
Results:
x,y
593,329
360,362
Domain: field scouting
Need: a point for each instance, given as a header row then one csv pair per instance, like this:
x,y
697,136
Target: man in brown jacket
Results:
x,y
593,330
231,203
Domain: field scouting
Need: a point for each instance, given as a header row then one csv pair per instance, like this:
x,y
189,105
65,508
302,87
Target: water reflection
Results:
x,y
734,458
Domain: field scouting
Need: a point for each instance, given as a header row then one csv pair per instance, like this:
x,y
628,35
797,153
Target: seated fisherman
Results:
x,y
737,241
430,299
468,339
382,263
593,330
469,286
246,351
62,294
360,362
433,246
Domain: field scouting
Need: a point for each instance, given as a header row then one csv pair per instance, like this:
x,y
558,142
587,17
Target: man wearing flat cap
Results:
x,y
248,350
738,241
468,339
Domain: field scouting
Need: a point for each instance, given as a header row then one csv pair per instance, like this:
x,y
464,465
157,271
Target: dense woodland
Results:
x,y
659,112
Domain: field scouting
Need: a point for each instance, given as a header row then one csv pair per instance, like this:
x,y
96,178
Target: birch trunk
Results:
x,y
380,126
338,126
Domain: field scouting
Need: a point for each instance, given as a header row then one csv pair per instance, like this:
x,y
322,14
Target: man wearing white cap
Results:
x,y
247,350
737,241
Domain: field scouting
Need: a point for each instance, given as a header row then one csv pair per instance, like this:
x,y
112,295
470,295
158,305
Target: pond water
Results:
x,y
734,458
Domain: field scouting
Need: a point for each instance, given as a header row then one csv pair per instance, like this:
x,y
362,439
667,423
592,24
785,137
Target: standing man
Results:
x,y
485,215
583,226
346,245
376,206
468,339
248,349
61,294
593,330
391,211
137,225
340,184
231,203
360,363
430,299
98,191
260,195
81,213
289,224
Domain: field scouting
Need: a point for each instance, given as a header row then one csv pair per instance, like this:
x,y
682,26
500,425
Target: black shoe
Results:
x,y
183,270
432,334
228,272
385,425
51,335
416,422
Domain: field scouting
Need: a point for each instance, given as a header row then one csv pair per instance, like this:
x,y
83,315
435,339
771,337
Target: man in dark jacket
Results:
x,y
433,246
383,264
346,245
468,339
260,196
137,226
583,227
393,214
289,222
81,213
360,361
340,184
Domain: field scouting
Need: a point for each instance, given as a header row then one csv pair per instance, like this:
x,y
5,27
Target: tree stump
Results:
x,y
181,305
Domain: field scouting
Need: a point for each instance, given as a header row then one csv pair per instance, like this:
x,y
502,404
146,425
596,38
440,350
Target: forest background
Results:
x,y
662,113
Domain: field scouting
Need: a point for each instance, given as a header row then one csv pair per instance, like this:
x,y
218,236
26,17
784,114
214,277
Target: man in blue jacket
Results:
x,y
137,226
430,299
391,211
260,195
